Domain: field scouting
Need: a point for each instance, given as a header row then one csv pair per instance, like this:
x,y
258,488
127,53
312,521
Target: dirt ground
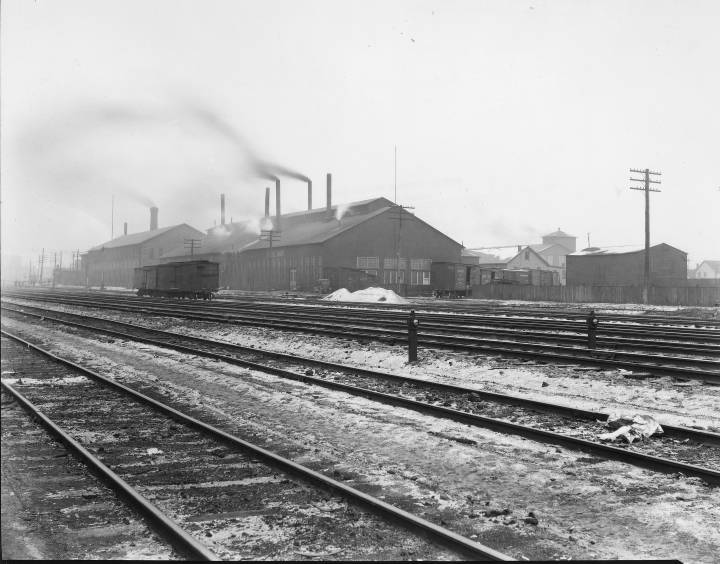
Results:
x,y
524,498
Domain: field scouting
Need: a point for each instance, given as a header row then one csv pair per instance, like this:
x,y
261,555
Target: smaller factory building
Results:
x,y
625,266
112,263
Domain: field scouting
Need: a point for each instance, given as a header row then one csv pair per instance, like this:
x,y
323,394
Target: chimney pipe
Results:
x,y
153,218
309,194
125,228
277,204
222,209
267,202
329,195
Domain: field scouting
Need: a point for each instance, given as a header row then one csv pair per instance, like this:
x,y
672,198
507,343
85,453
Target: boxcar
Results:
x,y
187,279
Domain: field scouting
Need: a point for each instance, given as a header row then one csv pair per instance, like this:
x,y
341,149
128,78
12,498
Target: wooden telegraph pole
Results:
x,y
646,188
270,235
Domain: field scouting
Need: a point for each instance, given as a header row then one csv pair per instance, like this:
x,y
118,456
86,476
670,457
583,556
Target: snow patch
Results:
x,y
368,295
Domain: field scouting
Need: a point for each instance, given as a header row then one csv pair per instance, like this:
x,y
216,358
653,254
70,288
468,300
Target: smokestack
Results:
x,y
153,218
125,228
309,194
222,209
267,202
329,195
277,204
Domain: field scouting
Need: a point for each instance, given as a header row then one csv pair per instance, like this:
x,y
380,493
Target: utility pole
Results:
x,y
192,244
646,187
269,235
112,218
396,214
41,261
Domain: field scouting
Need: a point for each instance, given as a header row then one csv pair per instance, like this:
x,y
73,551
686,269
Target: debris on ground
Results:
x,y
631,428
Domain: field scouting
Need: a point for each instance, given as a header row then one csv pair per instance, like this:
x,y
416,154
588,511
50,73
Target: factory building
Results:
x,y
112,263
349,245
625,266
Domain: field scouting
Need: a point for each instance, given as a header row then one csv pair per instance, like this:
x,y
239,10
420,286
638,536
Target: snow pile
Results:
x,y
338,295
373,295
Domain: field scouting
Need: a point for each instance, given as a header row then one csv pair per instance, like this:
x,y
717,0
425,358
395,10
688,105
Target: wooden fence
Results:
x,y
682,295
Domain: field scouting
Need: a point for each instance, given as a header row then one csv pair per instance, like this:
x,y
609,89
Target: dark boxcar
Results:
x,y
187,279
453,279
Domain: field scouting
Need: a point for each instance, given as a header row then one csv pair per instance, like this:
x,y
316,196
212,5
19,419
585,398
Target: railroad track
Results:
x,y
197,483
579,312
619,326
704,368
689,451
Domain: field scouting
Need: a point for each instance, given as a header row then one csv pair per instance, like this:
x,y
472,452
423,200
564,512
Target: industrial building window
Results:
x,y
370,272
420,277
391,264
368,262
391,276
420,264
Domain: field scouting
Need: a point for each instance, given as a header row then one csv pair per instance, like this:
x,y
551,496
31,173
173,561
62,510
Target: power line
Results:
x,y
647,181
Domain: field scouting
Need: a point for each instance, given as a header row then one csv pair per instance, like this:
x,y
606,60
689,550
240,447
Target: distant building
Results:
x,y
510,258
553,250
625,266
112,263
708,269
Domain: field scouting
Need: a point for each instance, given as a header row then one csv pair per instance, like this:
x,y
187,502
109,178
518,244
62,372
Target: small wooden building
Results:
x,y
625,266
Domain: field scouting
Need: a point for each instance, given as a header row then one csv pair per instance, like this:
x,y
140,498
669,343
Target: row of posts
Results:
x,y
592,322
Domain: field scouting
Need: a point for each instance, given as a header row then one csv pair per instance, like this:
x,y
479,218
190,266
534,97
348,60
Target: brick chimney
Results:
x,y
153,218
328,208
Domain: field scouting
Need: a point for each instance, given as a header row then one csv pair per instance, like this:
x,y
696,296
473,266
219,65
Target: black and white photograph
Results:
x,y
343,280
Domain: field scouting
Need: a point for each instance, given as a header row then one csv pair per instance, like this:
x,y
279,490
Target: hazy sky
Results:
x,y
511,118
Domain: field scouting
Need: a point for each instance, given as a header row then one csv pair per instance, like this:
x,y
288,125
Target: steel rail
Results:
x,y
451,339
597,357
439,534
670,430
345,310
166,525
427,305
638,459
549,337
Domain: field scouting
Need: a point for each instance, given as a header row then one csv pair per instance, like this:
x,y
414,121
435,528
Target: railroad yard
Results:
x,y
267,427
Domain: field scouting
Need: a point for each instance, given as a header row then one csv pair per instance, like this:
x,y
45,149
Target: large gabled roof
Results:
x,y
318,226
137,238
